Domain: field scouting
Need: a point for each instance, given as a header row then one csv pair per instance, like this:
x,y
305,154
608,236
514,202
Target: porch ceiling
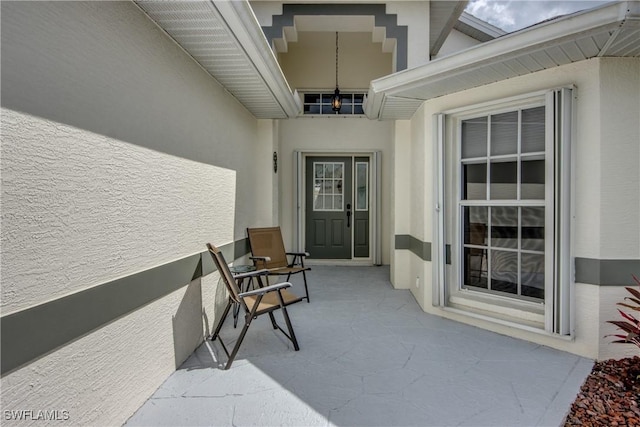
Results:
x,y
226,40
609,31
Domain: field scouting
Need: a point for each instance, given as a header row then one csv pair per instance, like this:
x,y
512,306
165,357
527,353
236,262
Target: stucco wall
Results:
x,y
456,42
119,155
333,134
607,186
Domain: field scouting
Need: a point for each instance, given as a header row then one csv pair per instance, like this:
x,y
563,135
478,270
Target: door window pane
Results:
x,y
328,186
362,186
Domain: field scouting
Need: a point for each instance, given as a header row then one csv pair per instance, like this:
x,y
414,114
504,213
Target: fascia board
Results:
x,y
482,26
448,26
511,45
244,25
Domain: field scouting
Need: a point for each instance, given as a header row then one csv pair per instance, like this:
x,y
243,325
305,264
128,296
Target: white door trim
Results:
x,y
375,158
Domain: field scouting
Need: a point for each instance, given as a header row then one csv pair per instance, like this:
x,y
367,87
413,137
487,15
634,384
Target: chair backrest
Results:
x,y
225,272
477,236
267,241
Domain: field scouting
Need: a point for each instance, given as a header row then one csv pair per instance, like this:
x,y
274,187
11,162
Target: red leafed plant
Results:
x,y
630,324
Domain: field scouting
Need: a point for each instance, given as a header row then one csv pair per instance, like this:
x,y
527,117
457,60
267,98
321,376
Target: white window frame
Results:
x,y
555,316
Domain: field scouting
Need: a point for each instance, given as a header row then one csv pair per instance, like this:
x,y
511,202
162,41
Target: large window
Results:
x,y
502,172
503,179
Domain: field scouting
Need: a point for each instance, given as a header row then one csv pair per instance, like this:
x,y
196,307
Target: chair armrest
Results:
x,y
261,258
262,272
262,291
298,253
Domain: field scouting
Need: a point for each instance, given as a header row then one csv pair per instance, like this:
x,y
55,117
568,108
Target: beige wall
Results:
x,y
119,154
413,14
607,187
310,62
340,135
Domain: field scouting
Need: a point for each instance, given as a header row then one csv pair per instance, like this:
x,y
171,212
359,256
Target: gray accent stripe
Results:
x,y
34,332
602,272
417,246
378,11
607,272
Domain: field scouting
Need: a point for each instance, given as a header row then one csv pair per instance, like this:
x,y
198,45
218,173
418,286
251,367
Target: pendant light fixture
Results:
x,y
336,100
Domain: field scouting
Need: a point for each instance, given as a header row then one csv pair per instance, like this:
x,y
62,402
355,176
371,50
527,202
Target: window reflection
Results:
x,y
532,275
474,181
504,133
504,180
504,226
532,179
533,228
474,138
504,271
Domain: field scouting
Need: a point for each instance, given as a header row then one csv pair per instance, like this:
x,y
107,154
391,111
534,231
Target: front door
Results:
x,y
337,226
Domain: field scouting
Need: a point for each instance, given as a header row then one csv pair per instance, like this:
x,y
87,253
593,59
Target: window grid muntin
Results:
x,y
319,103
519,157
324,182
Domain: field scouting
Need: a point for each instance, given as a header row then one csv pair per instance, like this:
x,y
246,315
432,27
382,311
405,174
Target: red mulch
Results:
x,y
610,396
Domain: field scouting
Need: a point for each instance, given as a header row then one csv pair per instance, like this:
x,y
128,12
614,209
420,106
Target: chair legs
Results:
x,y
306,289
247,322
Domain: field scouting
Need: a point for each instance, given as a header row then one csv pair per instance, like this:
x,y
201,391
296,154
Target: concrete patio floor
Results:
x,y
369,356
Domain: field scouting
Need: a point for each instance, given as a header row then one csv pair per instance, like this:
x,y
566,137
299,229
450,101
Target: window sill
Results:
x,y
502,308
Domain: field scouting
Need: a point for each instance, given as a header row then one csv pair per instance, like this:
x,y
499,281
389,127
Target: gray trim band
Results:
x,y
601,272
34,332
607,272
378,11
417,246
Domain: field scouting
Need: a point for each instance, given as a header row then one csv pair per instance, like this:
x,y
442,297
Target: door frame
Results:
x,y
299,167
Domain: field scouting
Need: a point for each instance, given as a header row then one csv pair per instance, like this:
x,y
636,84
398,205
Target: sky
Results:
x,y
512,15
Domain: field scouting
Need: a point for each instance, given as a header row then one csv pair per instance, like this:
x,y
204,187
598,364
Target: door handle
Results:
x,y
348,215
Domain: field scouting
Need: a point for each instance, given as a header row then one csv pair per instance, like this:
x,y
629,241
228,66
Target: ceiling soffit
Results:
x,y
224,38
347,17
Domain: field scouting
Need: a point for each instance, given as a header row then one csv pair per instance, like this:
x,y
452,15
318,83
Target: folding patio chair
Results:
x,y
256,302
267,250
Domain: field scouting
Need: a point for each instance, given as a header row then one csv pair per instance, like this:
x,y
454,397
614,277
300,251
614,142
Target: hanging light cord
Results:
x,y
336,59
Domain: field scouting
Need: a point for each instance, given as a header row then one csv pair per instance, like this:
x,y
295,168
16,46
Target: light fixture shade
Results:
x,y
336,100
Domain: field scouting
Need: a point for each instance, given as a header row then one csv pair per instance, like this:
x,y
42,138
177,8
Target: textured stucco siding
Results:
x,y
81,209
119,155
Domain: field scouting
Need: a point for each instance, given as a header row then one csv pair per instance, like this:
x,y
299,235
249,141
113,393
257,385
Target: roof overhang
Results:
x,y
443,16
612,30
225,38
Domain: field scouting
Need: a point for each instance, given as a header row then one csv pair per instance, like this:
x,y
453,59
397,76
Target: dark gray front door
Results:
x,y
329,220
